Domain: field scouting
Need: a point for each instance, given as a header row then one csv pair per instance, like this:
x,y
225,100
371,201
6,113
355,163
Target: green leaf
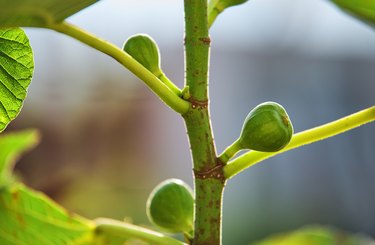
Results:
x,y
30,217
16,70
316,235
12,145
38,13
362,9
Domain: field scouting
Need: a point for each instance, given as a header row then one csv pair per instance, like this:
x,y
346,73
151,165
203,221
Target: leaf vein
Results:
x,y
6,111
13,41
51,221
7,237
5,86
16,59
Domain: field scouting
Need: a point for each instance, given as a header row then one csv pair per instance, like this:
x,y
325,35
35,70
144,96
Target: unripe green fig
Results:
x,y
170,206
266,128
145,50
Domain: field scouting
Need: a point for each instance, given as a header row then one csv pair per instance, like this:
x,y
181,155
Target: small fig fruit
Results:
x,y
170,206
266,128
145,50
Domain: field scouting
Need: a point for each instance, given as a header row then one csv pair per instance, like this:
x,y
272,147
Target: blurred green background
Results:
x,y
107,140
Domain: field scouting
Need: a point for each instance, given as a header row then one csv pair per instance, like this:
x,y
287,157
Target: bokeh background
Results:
x,y
107,140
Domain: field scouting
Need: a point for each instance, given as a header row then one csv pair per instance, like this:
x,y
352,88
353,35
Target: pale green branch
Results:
x,y
303,138
114,228
158,87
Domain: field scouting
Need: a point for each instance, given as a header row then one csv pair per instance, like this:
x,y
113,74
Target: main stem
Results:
x,y
208,173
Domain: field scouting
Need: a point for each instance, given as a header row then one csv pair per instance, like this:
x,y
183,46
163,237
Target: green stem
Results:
x,y
159,88
303,138
209,181
170,84
197,47
230,151
114,228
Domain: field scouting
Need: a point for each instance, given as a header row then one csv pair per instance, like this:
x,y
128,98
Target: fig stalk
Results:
x,y
230,151
170,84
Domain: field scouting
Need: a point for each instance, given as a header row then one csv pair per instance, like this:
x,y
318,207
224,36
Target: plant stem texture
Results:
x,y
208,171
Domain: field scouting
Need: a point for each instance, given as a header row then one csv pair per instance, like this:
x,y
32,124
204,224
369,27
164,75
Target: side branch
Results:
x,y
303,138
114,228
158,87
